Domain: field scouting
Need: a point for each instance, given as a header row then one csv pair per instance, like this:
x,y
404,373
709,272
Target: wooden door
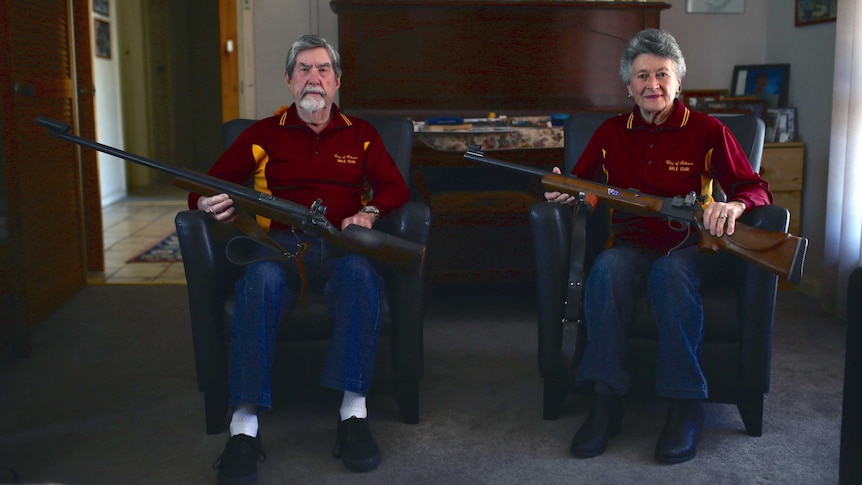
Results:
x,y
51,186
229,59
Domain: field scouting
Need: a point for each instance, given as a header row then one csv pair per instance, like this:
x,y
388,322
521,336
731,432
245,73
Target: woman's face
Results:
x,y
653,86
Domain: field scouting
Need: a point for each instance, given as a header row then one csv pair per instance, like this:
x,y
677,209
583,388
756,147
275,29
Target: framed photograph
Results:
x,y
102,31
771,121
696,99
715,6
768,82
101,7
748,105
785,124
815,11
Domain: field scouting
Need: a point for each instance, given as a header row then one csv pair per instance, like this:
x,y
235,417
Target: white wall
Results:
x,y
277,24
714,43
109,124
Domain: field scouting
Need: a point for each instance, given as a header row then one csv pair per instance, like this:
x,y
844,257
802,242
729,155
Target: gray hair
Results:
x,y
651,41
311,41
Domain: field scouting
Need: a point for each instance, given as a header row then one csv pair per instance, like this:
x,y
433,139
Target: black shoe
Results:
x,y
355,445
238,462
602,423
681,432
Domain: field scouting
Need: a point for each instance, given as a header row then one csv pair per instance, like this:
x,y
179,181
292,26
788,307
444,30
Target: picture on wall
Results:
x,y
101,7
103,38
715,6
768,82
815,11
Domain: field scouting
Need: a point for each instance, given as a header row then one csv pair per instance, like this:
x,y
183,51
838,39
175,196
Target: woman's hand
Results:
x,y
720,217
559,197
220,207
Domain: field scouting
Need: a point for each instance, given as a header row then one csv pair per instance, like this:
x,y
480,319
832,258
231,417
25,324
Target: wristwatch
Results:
x,y
370,209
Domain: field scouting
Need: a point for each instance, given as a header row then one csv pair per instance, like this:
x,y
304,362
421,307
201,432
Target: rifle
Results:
x,y
778,252
394,251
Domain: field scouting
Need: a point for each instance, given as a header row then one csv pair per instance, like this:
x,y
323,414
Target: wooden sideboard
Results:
x,y
783,166
468,58
424,58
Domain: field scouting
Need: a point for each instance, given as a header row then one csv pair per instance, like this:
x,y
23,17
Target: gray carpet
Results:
x,y
109,397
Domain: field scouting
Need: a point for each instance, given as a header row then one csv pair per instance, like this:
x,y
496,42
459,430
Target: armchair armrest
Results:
x,y
412,221
757,300
551,225
209,279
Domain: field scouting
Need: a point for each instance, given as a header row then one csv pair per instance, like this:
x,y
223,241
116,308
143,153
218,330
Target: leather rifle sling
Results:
x,y
253,233
574,286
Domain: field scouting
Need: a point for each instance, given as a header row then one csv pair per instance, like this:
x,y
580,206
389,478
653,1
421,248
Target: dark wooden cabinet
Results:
x,y
469,57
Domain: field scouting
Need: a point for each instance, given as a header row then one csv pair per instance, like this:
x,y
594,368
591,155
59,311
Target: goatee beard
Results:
x,y
312,103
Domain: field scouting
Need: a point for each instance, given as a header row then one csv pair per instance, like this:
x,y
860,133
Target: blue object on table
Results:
x,y
444,120
557,119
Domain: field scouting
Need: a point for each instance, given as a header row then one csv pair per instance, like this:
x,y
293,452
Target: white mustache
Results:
x,y
313,90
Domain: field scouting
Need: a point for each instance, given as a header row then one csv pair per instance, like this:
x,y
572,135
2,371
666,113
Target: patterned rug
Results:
x,y
167,250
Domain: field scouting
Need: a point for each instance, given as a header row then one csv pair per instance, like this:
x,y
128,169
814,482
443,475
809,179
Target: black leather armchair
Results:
x,y
302,342
738,300
850,454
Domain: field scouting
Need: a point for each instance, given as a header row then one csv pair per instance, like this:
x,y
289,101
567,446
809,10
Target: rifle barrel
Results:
x,y
478,156
400,253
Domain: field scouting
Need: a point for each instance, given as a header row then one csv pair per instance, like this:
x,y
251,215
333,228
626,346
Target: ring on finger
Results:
x,y
723,216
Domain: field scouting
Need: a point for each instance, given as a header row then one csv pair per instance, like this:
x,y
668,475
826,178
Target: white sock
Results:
x,y
244,420
353,405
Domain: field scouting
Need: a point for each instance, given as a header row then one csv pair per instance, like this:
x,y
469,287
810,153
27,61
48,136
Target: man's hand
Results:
x,y
364,219
220,207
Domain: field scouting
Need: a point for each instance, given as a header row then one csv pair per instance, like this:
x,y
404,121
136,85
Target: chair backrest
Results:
x,y
578,128
749,131
397,134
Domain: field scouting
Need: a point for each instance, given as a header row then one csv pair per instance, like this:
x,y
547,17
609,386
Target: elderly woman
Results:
x,y
661,148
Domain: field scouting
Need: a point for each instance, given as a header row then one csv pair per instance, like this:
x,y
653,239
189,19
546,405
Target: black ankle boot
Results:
x,y
602,423
681,432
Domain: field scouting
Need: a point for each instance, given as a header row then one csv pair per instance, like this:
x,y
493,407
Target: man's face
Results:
x,y
313,82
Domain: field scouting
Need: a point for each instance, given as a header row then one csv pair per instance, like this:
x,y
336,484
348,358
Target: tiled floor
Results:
x,y
133,225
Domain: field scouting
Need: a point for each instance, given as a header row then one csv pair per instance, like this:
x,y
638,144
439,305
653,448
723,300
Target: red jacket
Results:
x,y
688,152
281,156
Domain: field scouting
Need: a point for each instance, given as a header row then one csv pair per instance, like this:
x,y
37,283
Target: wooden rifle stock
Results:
x,y
394,251
778,252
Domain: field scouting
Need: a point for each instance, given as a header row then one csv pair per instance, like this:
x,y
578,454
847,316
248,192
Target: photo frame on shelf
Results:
x,y
785,124
102,32
771,122
696,99
769,82
739,105
815,11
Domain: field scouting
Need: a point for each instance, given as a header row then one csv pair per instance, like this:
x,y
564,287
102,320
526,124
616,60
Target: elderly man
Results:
x,y
310,150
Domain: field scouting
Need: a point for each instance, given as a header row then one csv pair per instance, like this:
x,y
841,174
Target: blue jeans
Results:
x,y
672,283
352,289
